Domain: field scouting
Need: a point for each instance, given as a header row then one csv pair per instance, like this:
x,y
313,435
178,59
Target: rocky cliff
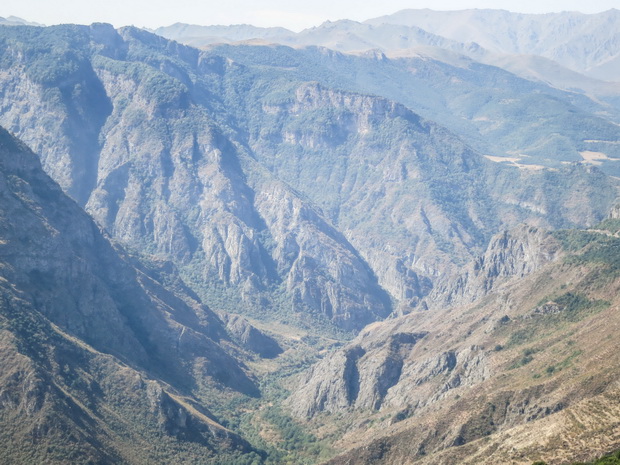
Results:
x,y
411,197
163,176
494,111
298,203
251,338
96,354
383,366
510,254
470,380
272,195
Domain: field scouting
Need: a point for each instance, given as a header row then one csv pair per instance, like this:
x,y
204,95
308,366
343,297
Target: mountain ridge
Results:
x,y
172,173
528,33
532,382
82,329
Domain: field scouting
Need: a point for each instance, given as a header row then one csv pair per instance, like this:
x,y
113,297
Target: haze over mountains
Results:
x,y
15,21
282,253
585,43
565,51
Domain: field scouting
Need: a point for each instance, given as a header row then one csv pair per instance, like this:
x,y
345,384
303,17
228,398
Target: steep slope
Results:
x,y
510,254
97,356
495,112
295,201
368,156
377,360
472,382
144,141
215,165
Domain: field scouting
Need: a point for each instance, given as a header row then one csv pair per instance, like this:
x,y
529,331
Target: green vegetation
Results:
x,y
521,336
295,445
484,423
273,303
611,225
573,307
526,357
552,369
280,439
576,306
592,247
611,459
480,94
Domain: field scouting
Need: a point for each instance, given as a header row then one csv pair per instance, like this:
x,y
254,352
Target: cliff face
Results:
x,y
494,111
271,195
251,338
87,337
163,176
507,350
276,198
412,198
362,159
514,253
382,366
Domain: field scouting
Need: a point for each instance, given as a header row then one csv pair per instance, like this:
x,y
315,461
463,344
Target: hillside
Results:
x,y
582,48
97,355
525,372
586,43
495,112
214,164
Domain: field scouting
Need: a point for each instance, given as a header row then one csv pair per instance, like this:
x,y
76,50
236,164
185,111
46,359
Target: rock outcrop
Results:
x,y
492,366
372,375
86,337
270,194
512,253
251,338
383,365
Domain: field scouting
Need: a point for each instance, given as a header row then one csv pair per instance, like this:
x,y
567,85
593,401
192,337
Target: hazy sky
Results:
x,y
293,14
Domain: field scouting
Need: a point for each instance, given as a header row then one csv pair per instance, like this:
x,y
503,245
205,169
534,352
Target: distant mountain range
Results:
x,y
15,21
586,44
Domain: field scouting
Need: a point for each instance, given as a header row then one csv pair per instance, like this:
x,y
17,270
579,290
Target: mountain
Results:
x,y
98,357
495,112
423,224
299,255
586,43
553,48
198,36
15,21
343,35
517,368
537,68
468,103
144,151
214,165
